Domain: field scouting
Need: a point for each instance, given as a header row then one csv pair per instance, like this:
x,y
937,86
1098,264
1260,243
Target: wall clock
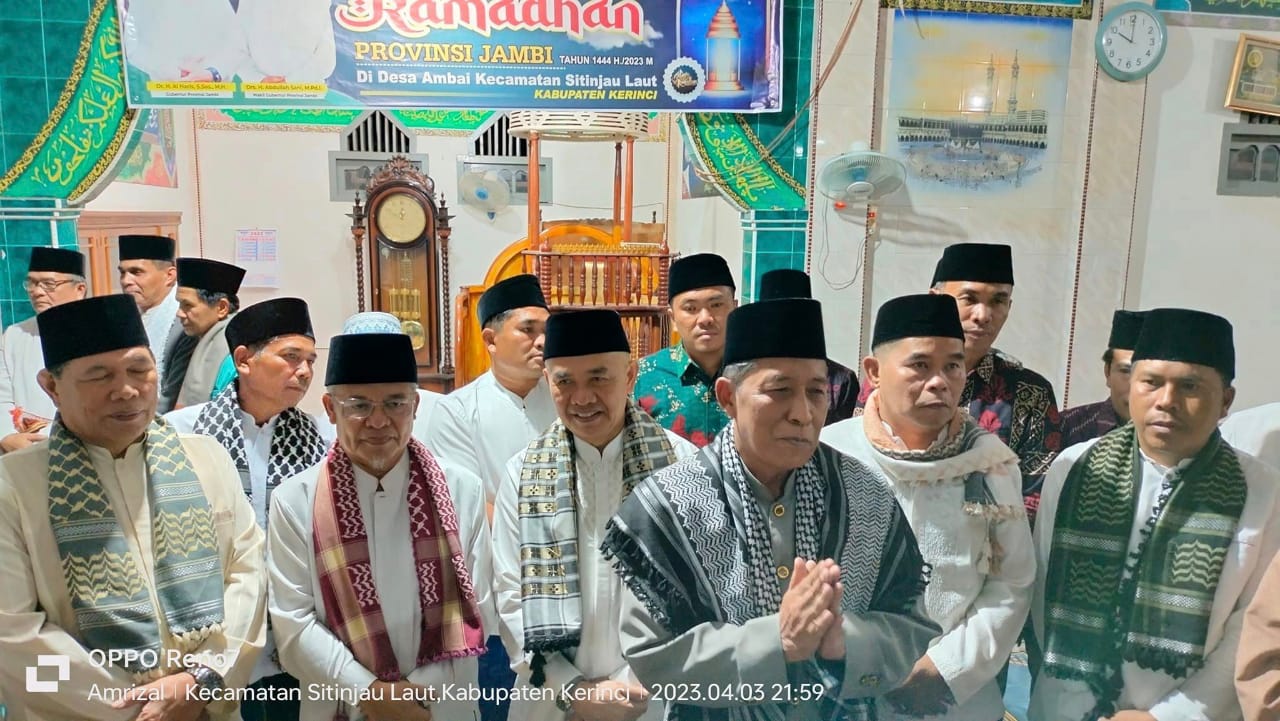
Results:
x,y
1131,41
408,263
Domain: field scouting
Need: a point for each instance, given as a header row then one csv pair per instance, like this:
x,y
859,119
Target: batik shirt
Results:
x,y
1018,405
680,395
1083,423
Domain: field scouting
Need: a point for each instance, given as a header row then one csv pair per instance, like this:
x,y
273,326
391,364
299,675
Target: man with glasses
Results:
x,y
257,420
54,276
378,556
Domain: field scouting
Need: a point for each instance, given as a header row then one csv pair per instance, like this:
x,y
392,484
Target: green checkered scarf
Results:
x,y
109,592
551,601
1104,605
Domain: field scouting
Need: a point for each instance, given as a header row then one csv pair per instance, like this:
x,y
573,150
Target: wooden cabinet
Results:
x,y
99,236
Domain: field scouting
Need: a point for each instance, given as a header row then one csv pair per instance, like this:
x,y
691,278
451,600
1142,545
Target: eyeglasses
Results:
x,y
47,286
358,409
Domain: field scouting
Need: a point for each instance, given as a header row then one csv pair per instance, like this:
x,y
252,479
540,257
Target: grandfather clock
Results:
x,y
408,246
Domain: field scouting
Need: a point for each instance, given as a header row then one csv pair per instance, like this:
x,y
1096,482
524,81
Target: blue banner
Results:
x,y
678,55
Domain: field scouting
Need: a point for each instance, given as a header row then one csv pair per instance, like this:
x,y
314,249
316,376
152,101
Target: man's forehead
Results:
x,y
529,314
285,343
373,391
957,287
568,366
791,369
703,295
110,358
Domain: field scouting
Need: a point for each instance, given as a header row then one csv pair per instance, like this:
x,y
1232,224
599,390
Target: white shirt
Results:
x,y
1209,693
427,401
21,360
163,37
599,654
482,424
159,321
288,38
981,611
309,650
1255,431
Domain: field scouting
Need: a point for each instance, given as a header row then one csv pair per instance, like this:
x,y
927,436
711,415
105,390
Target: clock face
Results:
x,y
401,219
1131,42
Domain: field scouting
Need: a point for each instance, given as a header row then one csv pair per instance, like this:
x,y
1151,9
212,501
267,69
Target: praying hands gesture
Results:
x,y
165,700
809,618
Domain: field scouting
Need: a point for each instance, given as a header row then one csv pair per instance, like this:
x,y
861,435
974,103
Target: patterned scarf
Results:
x,y
549,580
1104,605
296,444
451,626
694,547
109,591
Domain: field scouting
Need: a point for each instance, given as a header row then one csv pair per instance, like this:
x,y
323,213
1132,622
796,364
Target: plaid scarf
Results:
x,y
108,589
451,626
1104,605
296,444
693,546
549,581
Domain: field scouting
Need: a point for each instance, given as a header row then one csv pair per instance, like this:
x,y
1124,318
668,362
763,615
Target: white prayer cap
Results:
x,y
362,323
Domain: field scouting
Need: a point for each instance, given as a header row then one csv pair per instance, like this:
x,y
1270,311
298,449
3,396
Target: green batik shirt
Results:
x,y
680,395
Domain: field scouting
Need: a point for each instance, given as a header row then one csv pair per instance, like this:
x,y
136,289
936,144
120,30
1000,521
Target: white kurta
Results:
x,y
427,401
308,648
1256,431
981,611
206,361
482,424
288,38
1209,693
600,652
21,360
36,616
159,321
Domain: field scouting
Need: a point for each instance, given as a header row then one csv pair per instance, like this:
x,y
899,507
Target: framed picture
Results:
x,y
514,172
349,172
1255,76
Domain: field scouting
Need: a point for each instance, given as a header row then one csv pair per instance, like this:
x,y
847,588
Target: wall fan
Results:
x,y
860,176
485,191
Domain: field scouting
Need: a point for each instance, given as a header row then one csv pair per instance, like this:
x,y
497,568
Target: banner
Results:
x,y
676,55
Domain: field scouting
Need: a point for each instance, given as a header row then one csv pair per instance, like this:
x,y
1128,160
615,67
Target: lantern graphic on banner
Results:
x,y
724,49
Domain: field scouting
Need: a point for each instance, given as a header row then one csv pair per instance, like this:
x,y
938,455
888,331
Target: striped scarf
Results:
x,y
109,591
451,626
296,444
1104,605
551,602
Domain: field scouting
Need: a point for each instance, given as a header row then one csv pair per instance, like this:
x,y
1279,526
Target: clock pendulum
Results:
x,y
409,306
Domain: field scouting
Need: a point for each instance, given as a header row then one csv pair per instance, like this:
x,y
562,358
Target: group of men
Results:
x,y
726,529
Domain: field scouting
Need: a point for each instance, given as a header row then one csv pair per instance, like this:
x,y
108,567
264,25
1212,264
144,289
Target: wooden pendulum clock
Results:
x,y
407,240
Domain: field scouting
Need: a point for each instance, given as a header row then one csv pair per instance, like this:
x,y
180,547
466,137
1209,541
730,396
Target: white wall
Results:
x,y
1194,248
275,179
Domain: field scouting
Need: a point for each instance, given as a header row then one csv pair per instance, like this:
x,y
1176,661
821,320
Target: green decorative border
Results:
x,y
86,127
430,122
727,146
1083,11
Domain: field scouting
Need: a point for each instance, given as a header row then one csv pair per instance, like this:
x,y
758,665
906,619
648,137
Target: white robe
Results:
x,y
36,616
1256,431
163,37
21,359
1209,693
981,612
289,38
206,361
482,424
309,650
600,652
159,321
427,401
